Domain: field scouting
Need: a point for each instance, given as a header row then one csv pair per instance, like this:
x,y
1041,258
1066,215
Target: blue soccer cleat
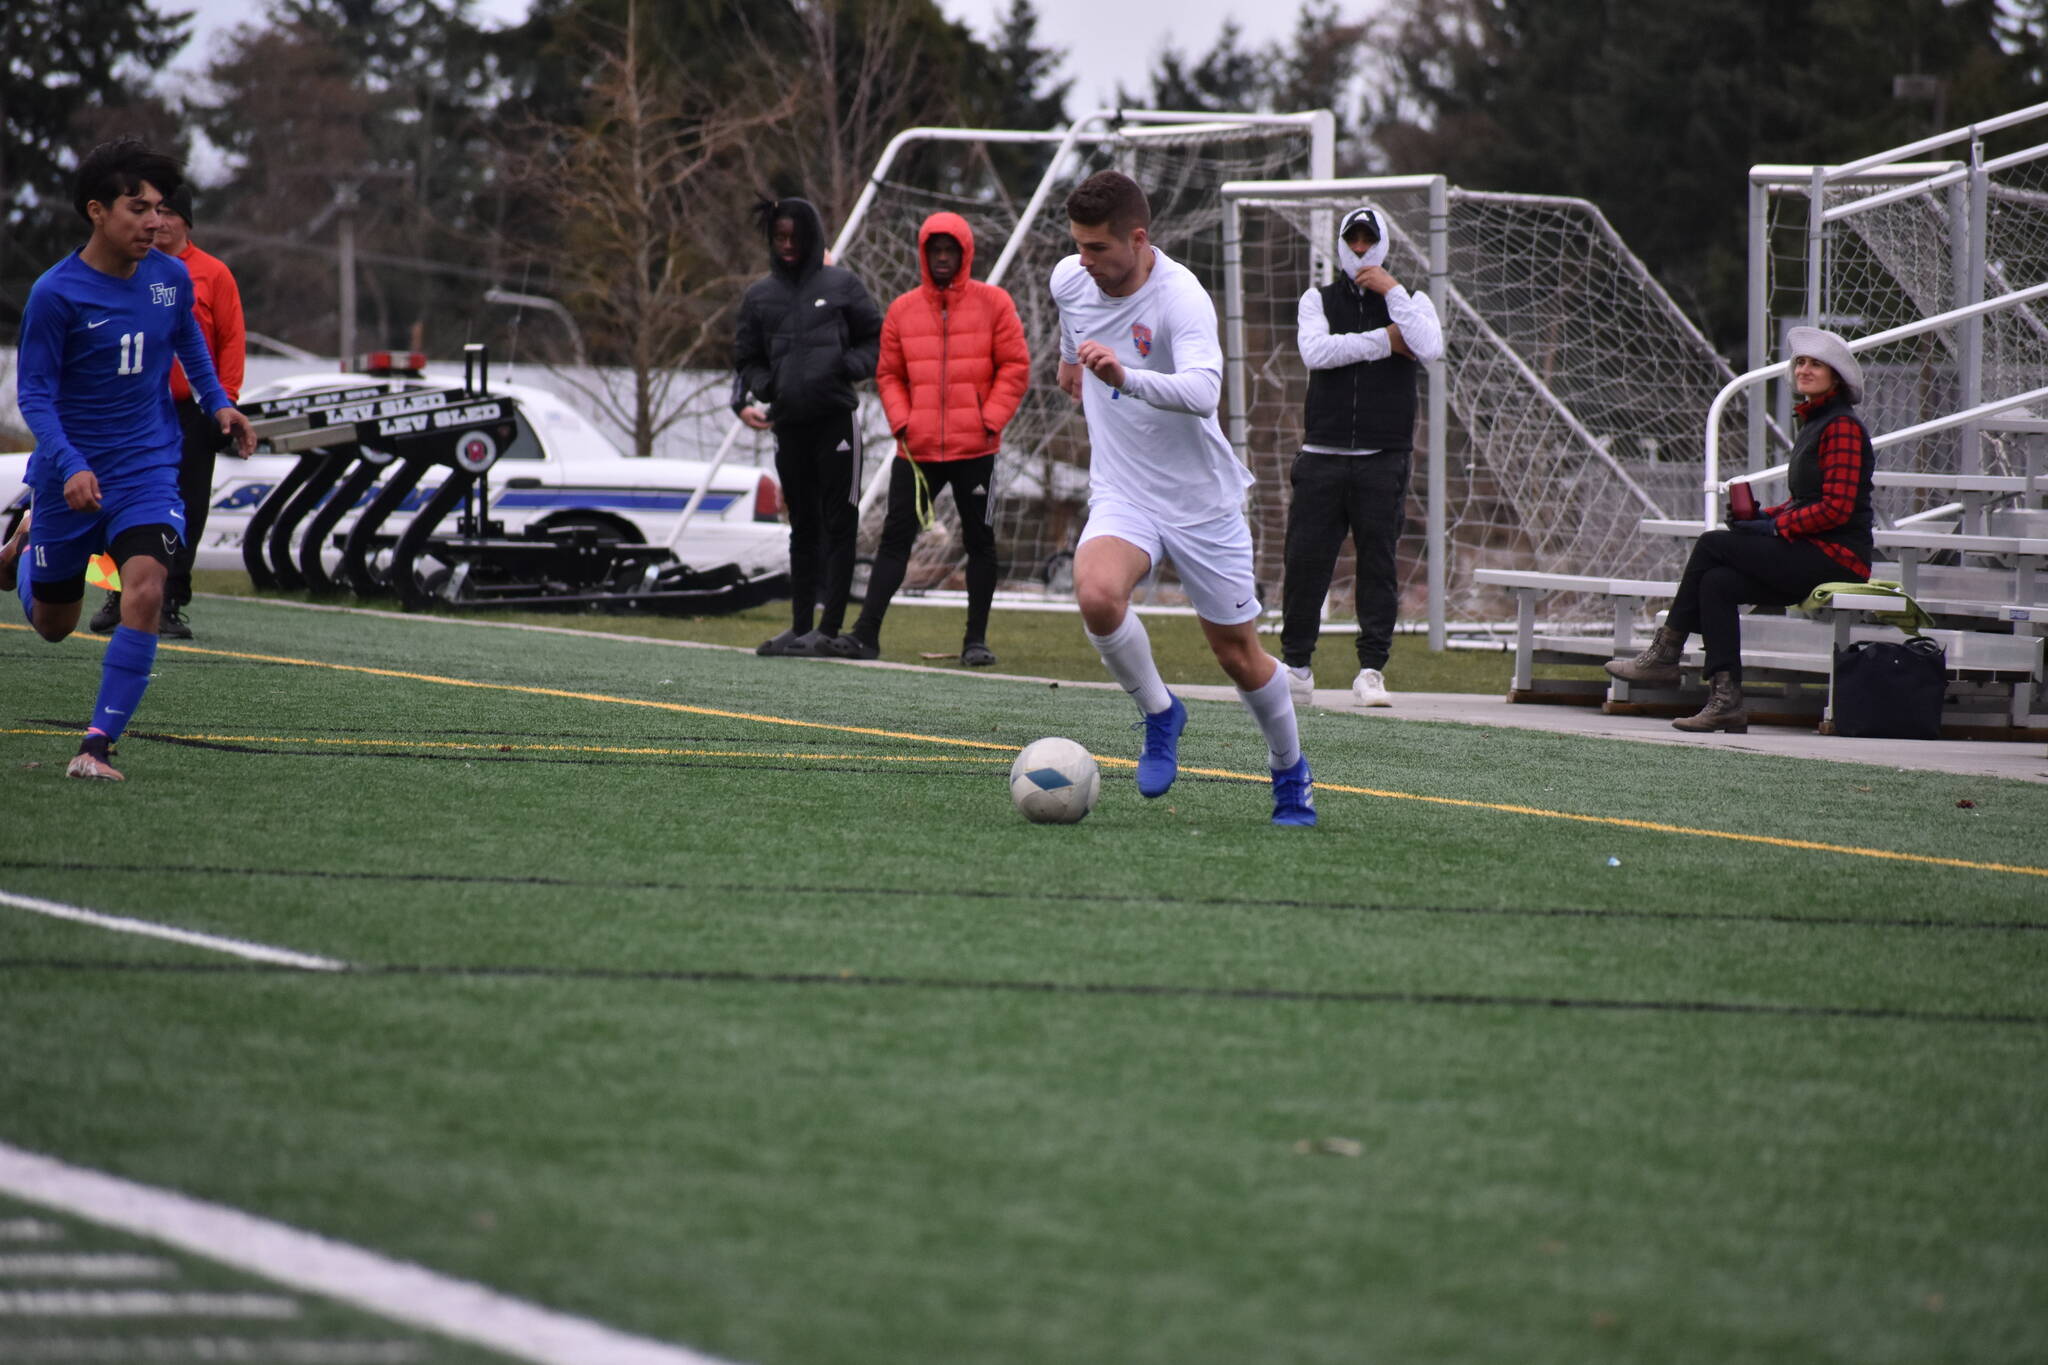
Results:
x,y
1159,763
1294,794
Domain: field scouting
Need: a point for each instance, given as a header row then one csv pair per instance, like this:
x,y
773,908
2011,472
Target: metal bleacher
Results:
x,y
1971,549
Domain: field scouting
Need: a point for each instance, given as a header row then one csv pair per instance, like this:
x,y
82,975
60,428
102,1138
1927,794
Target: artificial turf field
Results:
x,y
725,1001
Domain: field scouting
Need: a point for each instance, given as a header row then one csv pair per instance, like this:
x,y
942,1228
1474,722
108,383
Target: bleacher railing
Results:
x,y
1712,485
1889,239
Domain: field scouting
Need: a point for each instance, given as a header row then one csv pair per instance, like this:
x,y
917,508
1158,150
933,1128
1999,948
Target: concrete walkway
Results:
x,y
2025,762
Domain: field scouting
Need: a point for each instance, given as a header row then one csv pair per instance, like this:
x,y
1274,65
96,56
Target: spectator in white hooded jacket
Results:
x,y
1364,338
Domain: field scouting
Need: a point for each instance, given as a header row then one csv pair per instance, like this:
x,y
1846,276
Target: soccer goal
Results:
x,y
1011,187
1892,239
1567,408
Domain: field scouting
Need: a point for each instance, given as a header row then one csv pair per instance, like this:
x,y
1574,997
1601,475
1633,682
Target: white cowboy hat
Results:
x,y
1830,350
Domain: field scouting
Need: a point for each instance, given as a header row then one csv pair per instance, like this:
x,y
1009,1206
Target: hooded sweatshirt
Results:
x,y
1361,392
954,362
807,332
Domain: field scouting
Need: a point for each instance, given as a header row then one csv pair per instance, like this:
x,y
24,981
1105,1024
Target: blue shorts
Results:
x,y
62,541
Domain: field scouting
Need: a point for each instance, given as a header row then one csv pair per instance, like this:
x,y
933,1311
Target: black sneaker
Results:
x,y
107,617
172,625
781,646
975,654
851,646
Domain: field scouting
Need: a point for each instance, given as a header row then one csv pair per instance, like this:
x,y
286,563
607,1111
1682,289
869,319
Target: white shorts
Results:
x,y
1214,557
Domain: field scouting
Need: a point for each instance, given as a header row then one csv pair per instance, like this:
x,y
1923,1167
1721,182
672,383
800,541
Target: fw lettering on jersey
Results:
x,y
165,295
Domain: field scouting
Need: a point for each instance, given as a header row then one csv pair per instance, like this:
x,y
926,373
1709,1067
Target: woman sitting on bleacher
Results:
x,y
1821,534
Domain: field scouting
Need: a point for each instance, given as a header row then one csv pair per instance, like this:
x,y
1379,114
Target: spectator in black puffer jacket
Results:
x,y
808,332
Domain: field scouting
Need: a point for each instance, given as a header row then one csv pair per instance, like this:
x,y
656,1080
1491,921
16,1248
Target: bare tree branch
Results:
x,y
647,200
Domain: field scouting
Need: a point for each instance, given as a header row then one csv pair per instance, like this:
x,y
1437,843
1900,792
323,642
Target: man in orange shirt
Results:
x,y
217,306
953,370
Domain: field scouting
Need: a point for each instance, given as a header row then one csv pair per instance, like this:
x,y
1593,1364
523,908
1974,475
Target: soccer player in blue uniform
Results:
x,y
93,377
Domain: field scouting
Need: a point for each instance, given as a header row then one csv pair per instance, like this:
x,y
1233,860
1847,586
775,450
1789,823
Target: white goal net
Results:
x,y
1576,390
1011,188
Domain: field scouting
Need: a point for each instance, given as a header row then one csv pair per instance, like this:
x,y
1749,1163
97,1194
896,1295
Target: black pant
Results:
x,y
971,482
1727,570
819,465
1366,497
195,489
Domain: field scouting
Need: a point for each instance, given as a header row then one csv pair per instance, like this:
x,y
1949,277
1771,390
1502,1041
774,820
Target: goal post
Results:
x,y
1010,185
1567,407
1325,201
1877,244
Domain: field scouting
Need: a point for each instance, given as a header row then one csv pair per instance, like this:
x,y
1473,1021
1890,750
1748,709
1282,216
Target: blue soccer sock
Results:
x,y
24,587
124,676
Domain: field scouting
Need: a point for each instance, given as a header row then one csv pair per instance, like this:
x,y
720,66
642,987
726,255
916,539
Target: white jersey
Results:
x,y
1154,444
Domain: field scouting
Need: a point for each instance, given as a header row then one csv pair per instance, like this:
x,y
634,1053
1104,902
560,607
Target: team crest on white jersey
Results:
x,y
165,294
1141,337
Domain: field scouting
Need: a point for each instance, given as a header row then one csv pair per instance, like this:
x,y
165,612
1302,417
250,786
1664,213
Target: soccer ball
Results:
x,y
1054,782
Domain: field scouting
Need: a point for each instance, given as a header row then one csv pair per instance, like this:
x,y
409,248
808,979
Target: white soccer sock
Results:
x,y
1127,654
1272,706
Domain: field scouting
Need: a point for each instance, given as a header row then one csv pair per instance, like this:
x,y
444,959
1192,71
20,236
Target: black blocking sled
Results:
x,y
378,443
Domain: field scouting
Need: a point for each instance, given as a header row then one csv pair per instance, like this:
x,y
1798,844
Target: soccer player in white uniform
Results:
x,y
1139,352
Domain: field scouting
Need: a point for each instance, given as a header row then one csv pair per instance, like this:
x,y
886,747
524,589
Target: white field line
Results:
x,y
283,1255
141,1303
29,1230
120,924
268,1350
85,1265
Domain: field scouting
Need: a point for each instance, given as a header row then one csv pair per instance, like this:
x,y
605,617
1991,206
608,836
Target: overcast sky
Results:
x,y
1106,41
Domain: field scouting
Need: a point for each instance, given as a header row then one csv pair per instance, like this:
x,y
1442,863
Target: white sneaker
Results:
x,y
1301,685
1370,688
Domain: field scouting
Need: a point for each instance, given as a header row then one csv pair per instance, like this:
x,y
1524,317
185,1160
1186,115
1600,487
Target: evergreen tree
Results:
x,y
1322,68
1019,86
63,64
1229,79
1655,111
1023,80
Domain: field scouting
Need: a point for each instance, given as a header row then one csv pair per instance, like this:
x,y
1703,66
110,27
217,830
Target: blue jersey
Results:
x,y
93,373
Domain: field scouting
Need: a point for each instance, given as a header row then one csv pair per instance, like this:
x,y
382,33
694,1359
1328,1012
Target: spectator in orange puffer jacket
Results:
x,y
954,368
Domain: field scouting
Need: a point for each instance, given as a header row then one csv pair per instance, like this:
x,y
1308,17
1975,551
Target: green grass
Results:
x,y
1037,643
793,1043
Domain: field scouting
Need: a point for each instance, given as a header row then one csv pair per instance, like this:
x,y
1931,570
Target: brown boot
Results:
x,y
1656,666
1723,710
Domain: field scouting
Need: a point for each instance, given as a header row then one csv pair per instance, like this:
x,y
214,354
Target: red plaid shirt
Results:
x,y
1841,474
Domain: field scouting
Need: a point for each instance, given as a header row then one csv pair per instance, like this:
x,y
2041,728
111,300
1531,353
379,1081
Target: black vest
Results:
x,y
1804,479
1367,406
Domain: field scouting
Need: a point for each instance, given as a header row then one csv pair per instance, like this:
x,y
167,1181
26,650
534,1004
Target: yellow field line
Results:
x,y
537,748
1612,821
565,695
